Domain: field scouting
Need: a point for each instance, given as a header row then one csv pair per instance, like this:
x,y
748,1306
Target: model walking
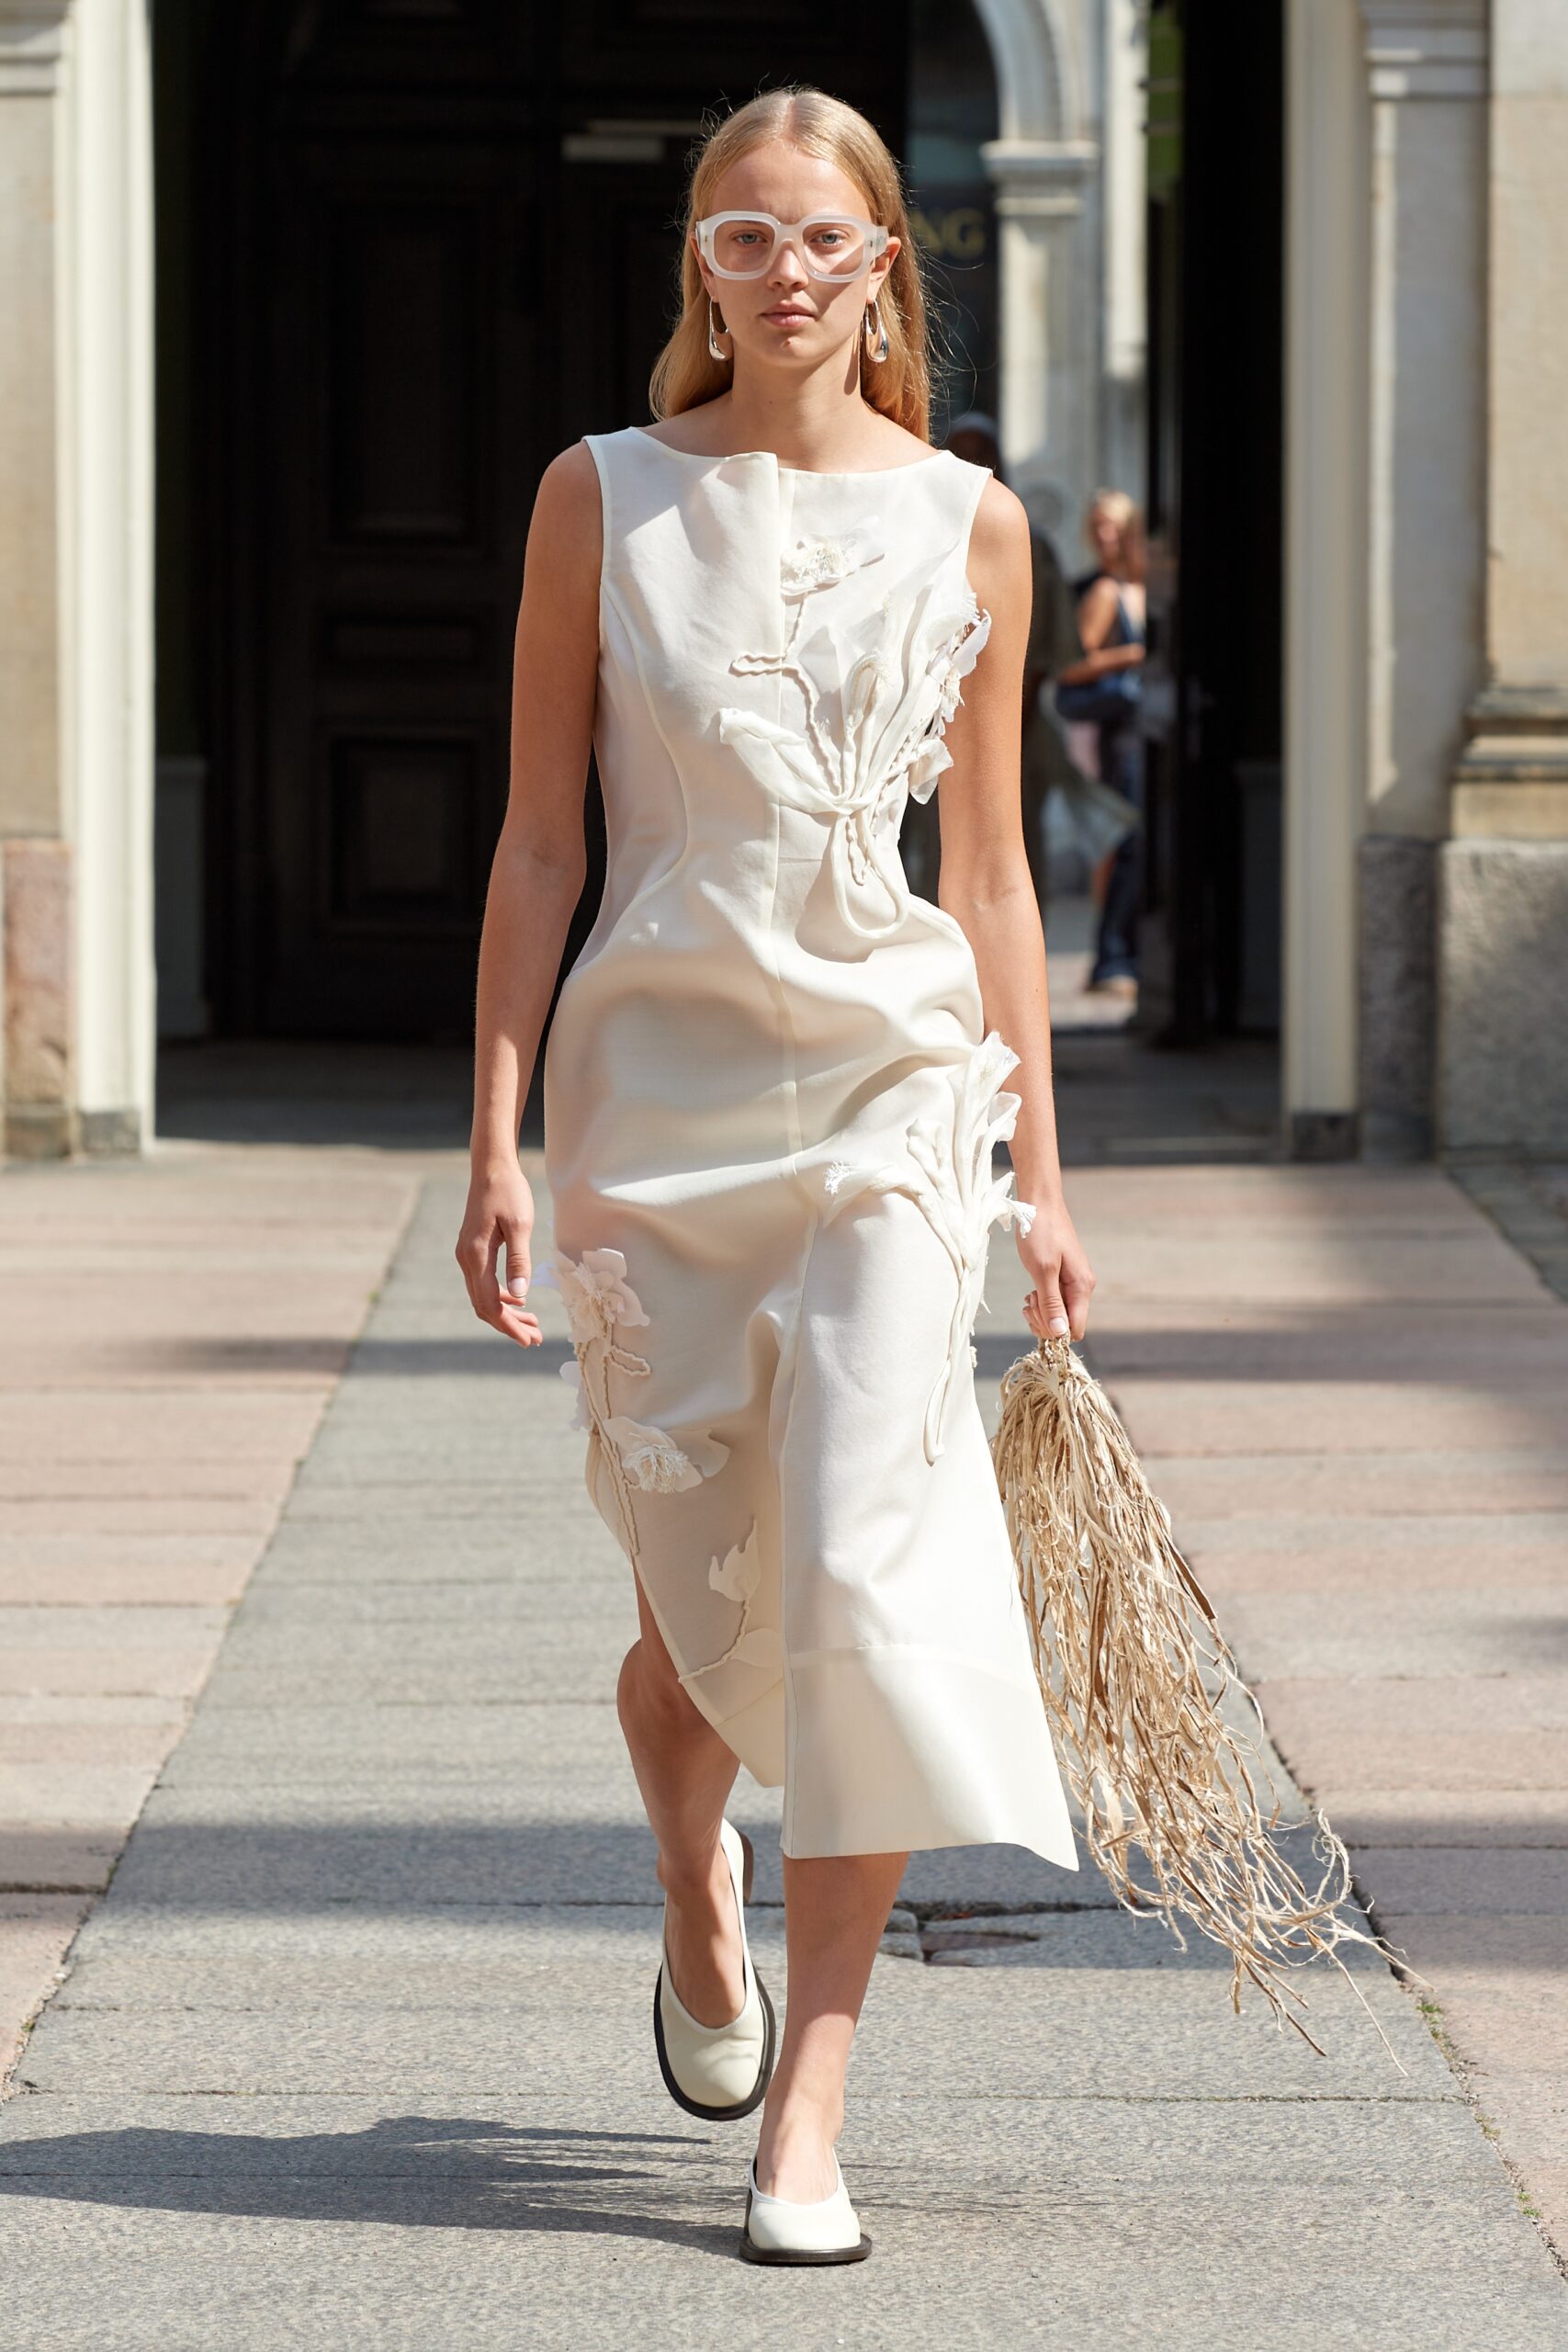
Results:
x,y
772,1087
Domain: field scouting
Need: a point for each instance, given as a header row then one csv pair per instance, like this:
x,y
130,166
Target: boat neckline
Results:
x,y
810,473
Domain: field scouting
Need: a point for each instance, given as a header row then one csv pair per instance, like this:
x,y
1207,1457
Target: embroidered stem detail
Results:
x,y
599,1301
738,1578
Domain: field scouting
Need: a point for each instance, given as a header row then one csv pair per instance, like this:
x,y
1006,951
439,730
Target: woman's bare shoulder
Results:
x,y
998,536
568,487
566,531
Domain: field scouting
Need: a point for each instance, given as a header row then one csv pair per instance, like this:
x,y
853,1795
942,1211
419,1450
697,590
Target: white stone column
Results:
x,y
1049,330
1503,1044
35,868
1326,586
1425,521
76,573
113,653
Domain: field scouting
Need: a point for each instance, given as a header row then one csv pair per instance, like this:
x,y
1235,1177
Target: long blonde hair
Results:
x,y
685,373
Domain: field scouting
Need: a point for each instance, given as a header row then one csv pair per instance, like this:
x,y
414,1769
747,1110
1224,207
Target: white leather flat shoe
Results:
x,y
717,2071
778,2230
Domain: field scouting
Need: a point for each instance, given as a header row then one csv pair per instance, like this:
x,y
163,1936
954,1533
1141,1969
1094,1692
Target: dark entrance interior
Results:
x,y
409,249
1210,941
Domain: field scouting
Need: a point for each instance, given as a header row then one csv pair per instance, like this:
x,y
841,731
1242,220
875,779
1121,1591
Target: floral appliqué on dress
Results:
x,y
601,1304
737,1577
896,707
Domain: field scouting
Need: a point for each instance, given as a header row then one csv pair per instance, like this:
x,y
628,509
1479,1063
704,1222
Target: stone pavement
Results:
x,y
357,2050
171,1334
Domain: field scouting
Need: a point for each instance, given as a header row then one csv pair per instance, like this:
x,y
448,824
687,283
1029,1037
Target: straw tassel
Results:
x,y
1122,1632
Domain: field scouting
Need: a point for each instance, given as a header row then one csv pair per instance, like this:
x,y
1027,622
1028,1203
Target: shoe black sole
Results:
x,y
750,2105
754,2098
796,2259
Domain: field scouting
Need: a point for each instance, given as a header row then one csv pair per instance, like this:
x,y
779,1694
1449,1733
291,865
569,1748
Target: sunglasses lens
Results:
x,y
744,248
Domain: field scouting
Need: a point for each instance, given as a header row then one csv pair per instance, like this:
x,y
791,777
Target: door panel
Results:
x,y
393,535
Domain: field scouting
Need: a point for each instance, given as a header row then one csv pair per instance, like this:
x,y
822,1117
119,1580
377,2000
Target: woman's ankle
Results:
x,y
693,1876
795,2156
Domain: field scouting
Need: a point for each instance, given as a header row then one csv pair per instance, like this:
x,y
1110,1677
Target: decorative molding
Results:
x,y
1511,780
1519,710
1040,178
32,46
1425,49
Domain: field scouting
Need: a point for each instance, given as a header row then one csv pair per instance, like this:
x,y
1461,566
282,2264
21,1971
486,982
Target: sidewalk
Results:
x,y
171,1333
356,2049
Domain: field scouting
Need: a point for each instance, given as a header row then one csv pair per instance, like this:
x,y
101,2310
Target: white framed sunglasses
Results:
x,y
830,244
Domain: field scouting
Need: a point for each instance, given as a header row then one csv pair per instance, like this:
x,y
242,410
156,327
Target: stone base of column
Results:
x,y
1502,929
1323,1135
1502,982
1398,996
110,1135
37,881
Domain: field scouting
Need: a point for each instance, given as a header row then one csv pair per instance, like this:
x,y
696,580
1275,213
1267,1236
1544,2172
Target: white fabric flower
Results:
x,y
595,1290
955,661
572,1372
932,759
740,1572
824,563
653,1461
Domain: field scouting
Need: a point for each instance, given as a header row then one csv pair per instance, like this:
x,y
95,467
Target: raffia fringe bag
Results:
x,y
1122,1632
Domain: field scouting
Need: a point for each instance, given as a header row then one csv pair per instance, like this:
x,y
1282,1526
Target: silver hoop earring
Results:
x,y
716,348
877,350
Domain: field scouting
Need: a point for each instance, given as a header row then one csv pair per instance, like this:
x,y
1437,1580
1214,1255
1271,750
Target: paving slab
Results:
x,y
1516,1628
1403,1484
1348,1417
36,1932
1422,1345
1314,1552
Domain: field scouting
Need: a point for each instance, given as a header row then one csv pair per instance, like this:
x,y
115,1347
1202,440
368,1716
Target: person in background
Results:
x,y
1053,644
1105,522
1111,623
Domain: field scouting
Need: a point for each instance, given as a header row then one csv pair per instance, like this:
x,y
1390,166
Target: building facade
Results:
x,y
308,738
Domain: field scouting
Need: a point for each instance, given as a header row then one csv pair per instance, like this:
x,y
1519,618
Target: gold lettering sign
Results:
x,y
957,233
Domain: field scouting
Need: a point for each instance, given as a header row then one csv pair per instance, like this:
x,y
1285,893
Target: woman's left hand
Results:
x,y
1054,1261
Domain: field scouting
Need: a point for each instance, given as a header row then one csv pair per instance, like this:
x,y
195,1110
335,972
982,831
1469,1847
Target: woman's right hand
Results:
x,y
500,1215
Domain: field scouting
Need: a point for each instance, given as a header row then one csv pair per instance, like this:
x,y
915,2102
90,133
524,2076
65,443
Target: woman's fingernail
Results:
x,y
1058,1327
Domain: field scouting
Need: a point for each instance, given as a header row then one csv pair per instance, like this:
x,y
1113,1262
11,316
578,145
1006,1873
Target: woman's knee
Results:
x,y
649,1696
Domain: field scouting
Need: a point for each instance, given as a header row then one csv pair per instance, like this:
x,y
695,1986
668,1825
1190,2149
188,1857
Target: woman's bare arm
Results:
x,y
986,886
1096,616
536,875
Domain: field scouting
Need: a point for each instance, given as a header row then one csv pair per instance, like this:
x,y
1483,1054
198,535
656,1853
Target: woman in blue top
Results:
x,y
1111,628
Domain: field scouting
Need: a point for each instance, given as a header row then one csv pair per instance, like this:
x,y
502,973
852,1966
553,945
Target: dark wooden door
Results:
x,y
1209,943
445,243
406,413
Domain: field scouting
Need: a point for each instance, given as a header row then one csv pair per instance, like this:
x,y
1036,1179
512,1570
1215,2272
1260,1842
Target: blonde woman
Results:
x,y
773,1088
1106,681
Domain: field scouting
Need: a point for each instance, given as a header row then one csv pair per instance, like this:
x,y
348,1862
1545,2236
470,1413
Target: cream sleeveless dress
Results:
x,y
770,1108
